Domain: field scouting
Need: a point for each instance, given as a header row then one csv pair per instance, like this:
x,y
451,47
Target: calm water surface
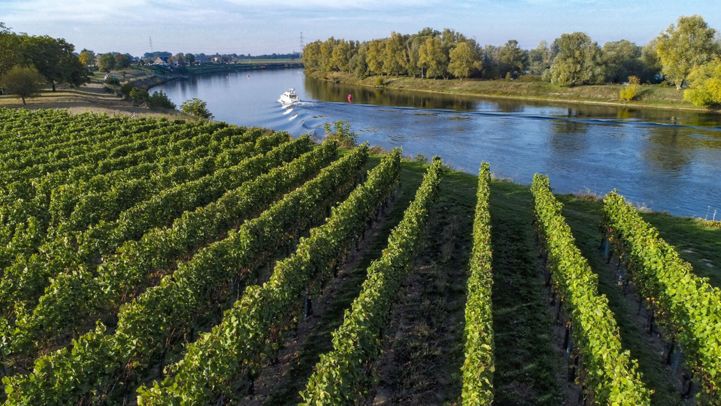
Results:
x,y
665,160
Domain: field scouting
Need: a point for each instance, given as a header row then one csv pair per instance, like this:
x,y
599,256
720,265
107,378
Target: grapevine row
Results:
x,y
74,207
25,279
72,299
341,376
166,314
114,147
611,375
478,366
224,356
688,306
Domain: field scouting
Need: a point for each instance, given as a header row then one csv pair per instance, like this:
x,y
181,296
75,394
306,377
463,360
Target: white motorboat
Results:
x,y
288,98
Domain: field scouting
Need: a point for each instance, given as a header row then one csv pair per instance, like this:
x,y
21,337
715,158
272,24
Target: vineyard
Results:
x,y
147,261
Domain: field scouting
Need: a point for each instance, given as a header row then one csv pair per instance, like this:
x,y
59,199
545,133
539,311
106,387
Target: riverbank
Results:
x,y
91,97
100,97
650,96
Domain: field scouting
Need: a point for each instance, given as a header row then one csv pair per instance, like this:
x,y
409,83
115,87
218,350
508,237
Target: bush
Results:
x,y
342,133
138,95
705,85
160,100
197,108
631,90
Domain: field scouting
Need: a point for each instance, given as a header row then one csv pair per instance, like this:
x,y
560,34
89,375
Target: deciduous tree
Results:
x,y
577,61
684,46
622,59
432,58
512,59
106,62
464,60
23,81
395,59
539,59
87,57
197,108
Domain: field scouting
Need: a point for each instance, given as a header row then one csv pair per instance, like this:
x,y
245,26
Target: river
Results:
x,y
663,160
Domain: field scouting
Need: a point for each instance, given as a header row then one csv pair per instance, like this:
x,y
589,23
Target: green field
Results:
x,y
174,262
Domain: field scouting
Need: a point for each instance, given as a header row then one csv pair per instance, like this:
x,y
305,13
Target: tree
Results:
x,y
178,59
491,62
340,57
311,56
622,59
106,62
651,63
326,55
432,59
374,57
394,55
122,61
463,60
138,95
23,81
358,63
87,57
10,50
705,84
160,99
197,108
512,59
54,59
539,59
190,59
577,61
685,46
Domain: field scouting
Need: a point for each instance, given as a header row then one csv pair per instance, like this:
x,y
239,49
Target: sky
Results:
x,y
260,27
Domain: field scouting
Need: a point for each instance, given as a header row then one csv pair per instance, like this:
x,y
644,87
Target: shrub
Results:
x,y
341,133
160,100
705,85
197,108
631,90
138,95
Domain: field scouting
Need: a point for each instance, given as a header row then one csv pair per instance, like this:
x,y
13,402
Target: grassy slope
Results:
x,y
656,96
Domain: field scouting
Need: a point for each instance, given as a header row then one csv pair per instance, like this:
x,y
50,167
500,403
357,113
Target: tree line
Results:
x,y
687,51
40,58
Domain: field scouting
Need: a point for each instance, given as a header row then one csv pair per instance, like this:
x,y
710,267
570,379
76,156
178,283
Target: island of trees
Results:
x,y
686,55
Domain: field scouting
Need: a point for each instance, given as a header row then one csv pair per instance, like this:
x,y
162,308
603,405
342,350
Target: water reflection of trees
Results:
x,y
568,136
328,91
669,148
507,106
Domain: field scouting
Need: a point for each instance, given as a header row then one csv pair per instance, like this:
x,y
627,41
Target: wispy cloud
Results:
x,y
273,25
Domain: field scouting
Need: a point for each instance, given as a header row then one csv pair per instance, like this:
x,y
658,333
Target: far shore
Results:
x,y
651,96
